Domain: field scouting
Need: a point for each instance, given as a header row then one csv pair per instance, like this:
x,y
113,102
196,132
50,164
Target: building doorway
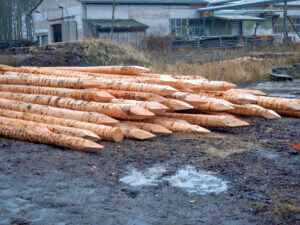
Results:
x,y
57,33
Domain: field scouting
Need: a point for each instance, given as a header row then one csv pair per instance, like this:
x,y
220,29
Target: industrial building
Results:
x,y
56,20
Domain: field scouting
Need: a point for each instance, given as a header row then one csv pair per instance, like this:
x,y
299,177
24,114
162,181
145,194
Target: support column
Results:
x,y
285,28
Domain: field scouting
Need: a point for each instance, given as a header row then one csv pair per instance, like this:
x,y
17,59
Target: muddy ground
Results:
x,y
41,184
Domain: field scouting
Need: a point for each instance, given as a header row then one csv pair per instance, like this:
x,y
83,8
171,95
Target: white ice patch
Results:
x,y
187,178
192,181
149,177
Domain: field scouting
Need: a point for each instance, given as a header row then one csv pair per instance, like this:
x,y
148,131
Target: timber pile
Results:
x,y
75,107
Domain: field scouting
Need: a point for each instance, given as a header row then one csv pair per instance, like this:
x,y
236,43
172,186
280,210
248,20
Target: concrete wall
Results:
x,y
49,13
155,16
133,38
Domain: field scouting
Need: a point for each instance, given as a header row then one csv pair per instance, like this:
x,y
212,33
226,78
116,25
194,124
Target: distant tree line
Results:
x,y
16,20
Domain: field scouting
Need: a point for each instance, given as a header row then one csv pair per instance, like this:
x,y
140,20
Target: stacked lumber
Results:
x,y
75,107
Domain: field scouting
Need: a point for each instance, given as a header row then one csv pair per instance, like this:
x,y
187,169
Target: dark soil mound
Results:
x,y
86,53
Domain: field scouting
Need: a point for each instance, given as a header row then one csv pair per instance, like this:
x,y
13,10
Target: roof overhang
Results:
x,y
120,25
238,17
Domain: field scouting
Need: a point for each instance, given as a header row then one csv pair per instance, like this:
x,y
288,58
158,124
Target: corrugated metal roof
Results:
x,y
243,4
147,2
238,17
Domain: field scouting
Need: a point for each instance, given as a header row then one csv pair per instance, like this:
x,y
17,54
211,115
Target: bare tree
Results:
x,y
15,19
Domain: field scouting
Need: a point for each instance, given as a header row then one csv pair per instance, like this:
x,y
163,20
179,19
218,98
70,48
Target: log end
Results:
x,y
118,135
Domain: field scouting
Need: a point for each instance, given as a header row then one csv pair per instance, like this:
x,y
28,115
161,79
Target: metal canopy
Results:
x,y
246,11
242,4
238,17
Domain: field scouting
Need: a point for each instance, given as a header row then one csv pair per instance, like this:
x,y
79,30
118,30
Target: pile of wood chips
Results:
x,y
75,107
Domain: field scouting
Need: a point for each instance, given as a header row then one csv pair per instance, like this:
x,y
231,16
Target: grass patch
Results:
x,y
222,68
10,60
281,206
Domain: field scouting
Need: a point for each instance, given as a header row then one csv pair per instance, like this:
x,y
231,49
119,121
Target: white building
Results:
x,y
65,20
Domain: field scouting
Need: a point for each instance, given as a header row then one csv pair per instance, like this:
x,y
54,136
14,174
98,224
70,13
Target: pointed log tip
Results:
x,y
256,92
260,93
270,114
232,121
239,123
156,98
159,129
140,111
162,106
92,147
103,96
194,99
187,106
139,70
201,130
168,91
141,134
224,107
156,107
109,121
229,86
176,105
92,137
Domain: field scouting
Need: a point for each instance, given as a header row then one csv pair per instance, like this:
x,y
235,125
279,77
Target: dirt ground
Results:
x,y
41,184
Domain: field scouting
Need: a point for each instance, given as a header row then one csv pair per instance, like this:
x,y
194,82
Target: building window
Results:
x,y
186,27
278,24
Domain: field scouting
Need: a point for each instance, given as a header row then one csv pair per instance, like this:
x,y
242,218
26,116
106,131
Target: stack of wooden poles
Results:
x,y
75,107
